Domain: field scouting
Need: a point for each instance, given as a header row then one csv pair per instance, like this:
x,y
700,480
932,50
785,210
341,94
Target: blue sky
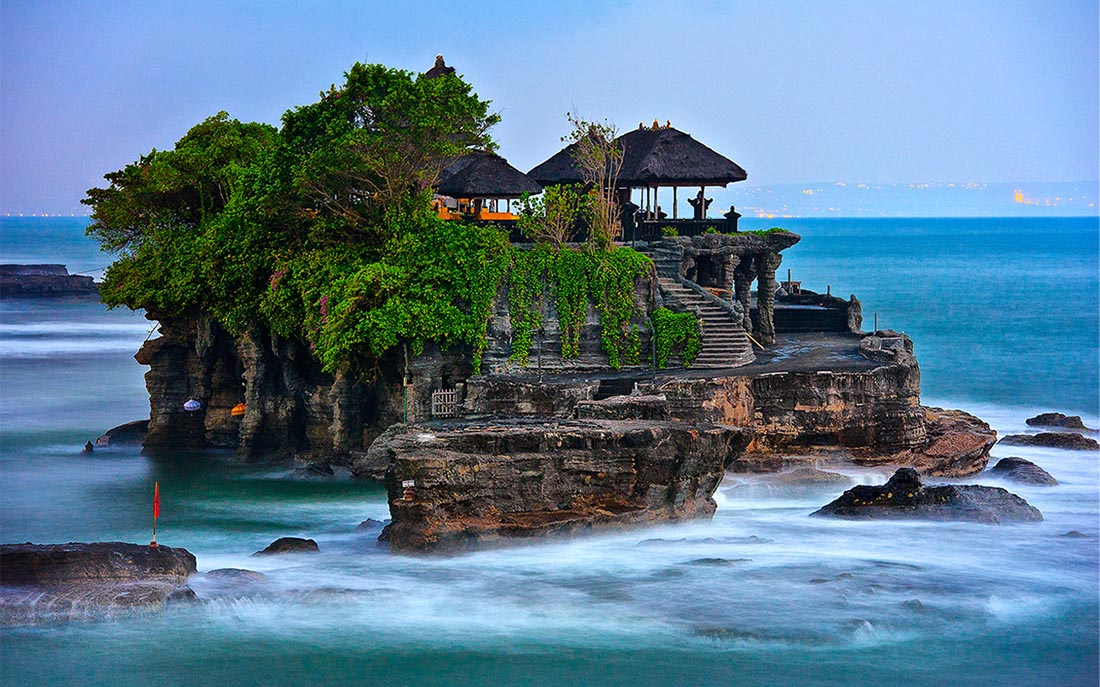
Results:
x,y
869,91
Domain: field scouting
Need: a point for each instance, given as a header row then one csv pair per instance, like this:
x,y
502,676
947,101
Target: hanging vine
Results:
x,y
676,330
577,277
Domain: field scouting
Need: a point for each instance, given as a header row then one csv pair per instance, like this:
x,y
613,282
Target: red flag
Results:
x,y
156,500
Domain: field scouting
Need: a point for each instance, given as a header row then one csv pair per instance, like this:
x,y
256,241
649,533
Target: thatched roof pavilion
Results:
x,y
484,175
661,156
670,157
653,157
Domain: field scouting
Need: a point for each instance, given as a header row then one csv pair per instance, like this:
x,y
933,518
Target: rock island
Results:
x,y
515,355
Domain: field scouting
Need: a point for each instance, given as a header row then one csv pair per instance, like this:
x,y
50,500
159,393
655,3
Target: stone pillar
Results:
x,y
766,265
743,277
727,278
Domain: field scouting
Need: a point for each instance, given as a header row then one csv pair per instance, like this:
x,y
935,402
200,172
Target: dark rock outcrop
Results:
x,y
129,433
1058,420
1023,471
51,582
904,497
44,281
475,485
1063,440
289,545
40,564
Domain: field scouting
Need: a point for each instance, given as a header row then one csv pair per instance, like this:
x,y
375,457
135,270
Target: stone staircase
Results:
x,y
724,342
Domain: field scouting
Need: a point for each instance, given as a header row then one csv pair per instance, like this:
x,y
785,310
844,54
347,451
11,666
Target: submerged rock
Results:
x,y
289,545
230,582
1058,420
315,471
51,582
1064,440
1023,471
372,524
799,481
903,496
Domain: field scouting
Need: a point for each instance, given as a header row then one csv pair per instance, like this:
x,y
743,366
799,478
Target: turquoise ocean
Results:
x,y
1004,314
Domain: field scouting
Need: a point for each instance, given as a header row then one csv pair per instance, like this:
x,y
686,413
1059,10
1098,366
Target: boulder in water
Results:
x,y
289,545
1058,420
1023,471
904,497
51,582
1064,440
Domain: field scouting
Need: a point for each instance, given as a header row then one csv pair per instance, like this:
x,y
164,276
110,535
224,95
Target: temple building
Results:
x,y
703,263
480,186
657,157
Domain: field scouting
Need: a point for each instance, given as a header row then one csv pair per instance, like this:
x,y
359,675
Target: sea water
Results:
x,y
1004,315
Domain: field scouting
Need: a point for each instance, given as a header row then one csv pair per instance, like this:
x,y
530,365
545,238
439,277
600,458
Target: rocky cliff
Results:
x,y
291,407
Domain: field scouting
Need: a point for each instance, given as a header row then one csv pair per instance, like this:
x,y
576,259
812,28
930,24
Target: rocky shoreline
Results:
x,y
44,281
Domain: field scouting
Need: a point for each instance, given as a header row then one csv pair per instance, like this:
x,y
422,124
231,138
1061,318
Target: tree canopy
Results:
x,y
323,230
328,214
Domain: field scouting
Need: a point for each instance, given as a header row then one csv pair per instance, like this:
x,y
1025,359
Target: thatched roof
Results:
x,y
484,175
651,157
440,69
561,168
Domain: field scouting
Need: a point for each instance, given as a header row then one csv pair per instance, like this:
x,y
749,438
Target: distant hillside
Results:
x,y
839,199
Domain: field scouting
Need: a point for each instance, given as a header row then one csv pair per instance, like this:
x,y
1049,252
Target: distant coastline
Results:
x,y
862,199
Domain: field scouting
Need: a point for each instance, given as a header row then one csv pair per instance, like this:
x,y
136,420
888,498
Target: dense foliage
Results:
x,y
323,231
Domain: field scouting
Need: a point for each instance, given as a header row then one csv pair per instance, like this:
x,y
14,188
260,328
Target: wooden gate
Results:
x,y
445,403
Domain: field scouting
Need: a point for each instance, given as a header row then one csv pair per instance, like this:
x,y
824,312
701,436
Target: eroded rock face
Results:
x,y
1064,440
957,444
1024,472
875,408
904,497
477,485
52,582
292,408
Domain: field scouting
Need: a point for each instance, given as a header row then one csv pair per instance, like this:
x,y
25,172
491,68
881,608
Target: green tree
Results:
x,y
600,159
383,136
551,216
